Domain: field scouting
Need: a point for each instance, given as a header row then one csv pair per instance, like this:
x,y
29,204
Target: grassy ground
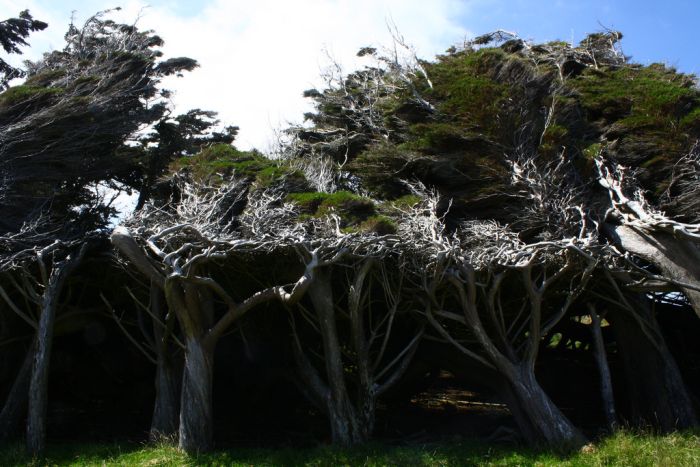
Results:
x,y
623,449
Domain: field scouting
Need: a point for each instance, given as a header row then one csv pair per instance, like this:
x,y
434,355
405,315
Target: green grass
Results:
x,y
621,449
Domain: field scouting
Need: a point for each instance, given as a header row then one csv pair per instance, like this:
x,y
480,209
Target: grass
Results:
x,y
621,449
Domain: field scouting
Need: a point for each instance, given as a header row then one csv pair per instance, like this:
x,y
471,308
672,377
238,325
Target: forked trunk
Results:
x,y
196,417
540,420
347,428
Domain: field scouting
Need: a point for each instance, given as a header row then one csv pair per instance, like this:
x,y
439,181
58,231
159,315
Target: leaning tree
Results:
x,y
508,133
61,132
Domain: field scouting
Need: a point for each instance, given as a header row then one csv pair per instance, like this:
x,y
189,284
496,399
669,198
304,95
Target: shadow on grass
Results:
x,y
622,448
460,453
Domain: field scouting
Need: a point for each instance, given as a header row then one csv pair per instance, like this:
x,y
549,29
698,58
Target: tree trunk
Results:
x,y
656,393
606,389
536,413
678,259
39,383
165,413
347,428
196,414
164,424
16,404
366,416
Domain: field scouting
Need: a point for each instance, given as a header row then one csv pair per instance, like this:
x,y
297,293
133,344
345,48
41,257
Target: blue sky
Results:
x,y
654,31
257,56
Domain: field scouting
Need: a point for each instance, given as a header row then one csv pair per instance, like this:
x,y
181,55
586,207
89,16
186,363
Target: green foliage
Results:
x,y
652,113
86,79
44,78
691,122
381,166
13,32
637,96
406,201
434,137
592,151
292,179
221,160
351,208
464,88
17,94
553,139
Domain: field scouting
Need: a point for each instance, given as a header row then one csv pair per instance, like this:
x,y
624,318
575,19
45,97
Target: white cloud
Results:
x,y
257,57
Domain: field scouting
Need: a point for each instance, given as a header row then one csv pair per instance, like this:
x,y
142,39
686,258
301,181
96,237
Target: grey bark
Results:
x,y
541,421
190,297
344,422
39,383
606,388
196,412
164,424
352,415
677,258
546,424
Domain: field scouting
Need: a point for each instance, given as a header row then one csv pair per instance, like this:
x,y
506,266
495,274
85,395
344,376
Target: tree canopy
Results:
x,y
512,206
13,32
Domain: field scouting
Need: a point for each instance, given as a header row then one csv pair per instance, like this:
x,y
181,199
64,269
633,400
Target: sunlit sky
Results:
x,y
257,56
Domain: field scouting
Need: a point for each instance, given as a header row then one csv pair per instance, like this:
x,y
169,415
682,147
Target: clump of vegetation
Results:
x,y
636,95
465,88
553,139
434,137
281,175
21,93
351,208
219,161
378,224
44,78
652,112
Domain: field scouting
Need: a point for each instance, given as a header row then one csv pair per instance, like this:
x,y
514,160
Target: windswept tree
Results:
x,y
13,32
63,128
368,333
184,250
507,136
175,137
61,133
